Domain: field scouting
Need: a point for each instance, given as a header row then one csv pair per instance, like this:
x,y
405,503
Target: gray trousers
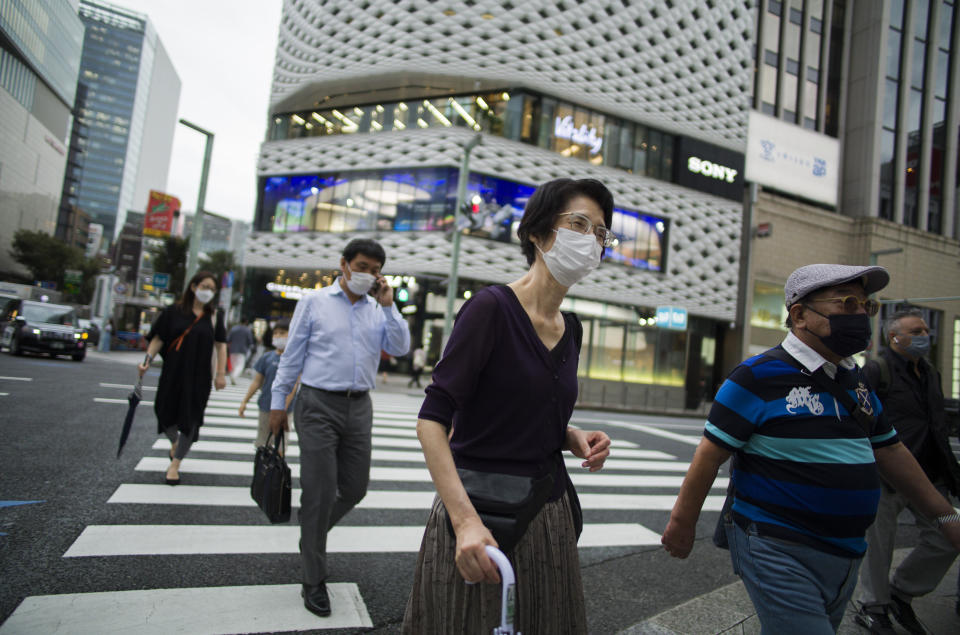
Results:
x,y
334,437
922,569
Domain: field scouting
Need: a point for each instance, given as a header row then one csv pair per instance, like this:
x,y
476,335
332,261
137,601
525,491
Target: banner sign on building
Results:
x,y
672,317
94,237
788,158
709,168
161,209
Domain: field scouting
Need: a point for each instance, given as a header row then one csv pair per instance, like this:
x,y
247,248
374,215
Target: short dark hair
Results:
x,y
366,246
551,199
283,324
892,323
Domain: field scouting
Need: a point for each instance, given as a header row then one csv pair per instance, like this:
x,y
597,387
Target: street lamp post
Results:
x,y
875,337
452,282
193,254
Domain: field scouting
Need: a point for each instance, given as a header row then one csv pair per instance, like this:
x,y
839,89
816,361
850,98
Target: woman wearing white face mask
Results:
x,y
508,378
185,335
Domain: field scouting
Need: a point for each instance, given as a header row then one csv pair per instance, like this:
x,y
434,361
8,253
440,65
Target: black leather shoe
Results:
x,y
875,620
315,599
903,613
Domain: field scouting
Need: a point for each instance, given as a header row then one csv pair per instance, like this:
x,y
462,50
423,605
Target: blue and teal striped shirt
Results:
x,y
804,469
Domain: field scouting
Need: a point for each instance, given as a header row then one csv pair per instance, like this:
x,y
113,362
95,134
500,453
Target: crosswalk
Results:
x,y
634,479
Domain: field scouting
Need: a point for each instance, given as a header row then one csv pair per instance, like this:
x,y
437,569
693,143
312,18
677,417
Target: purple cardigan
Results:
x,y
508,398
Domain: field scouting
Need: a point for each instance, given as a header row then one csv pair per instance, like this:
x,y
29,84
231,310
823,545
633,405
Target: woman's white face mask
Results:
x,y
204,295
572,256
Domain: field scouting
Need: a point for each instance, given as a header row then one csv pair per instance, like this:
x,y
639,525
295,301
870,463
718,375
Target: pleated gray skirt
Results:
x,y
549,591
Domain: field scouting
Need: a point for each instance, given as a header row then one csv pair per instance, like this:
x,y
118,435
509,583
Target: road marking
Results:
x,y
181,540
406,474
657,432
18,378
18,503
123,401
4,394
224,496
125,386
227,609
247,449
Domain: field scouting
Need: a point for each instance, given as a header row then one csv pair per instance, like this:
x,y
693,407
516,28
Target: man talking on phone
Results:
x,y
334,345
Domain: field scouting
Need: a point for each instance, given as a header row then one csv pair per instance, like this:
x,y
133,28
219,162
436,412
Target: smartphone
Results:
x,y
375,289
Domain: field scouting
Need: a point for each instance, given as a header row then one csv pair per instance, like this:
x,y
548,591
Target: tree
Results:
x,y
218,262
47,258
172,259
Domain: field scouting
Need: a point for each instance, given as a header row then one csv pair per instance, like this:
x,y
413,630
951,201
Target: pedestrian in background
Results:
x,y
417,364
265,370
506,386
334,344
185,335
806,470
909,390
240,342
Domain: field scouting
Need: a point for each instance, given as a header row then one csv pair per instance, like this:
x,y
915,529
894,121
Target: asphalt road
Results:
x,y
60,470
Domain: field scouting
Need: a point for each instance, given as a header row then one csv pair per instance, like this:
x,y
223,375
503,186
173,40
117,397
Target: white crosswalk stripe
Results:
x,y
634,479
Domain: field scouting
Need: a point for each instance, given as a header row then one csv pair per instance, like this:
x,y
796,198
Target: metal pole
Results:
x,y
193,255
452,282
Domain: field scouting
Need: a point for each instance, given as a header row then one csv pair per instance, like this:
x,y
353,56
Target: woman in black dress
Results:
x,y
185,334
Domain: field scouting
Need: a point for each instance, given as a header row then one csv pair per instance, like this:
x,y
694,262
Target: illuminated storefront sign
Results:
x,y
711,169
672,317
565,129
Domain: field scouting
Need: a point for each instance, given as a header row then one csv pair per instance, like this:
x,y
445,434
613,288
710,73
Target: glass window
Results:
x,y
942,73
946,24
626,146
919,64
893,54
890,90
914,112
887,146
562,130
642,146
531,108
768,310
653,154
955,361
921,10
547,114
606,356
671,360
585,352
769,88
640,359
896,14
790,86
810,102
611,142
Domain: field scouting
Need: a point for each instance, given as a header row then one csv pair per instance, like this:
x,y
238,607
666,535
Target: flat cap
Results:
x,y
809,278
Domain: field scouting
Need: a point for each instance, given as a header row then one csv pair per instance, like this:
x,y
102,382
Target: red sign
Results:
x,y
161,209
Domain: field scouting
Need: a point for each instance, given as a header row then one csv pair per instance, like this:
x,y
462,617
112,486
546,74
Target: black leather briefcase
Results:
x,y
271,481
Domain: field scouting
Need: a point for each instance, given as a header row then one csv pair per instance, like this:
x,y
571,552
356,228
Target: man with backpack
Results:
x,y
909,389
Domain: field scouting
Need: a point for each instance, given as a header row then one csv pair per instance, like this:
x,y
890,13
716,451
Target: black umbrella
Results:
x,y
134,399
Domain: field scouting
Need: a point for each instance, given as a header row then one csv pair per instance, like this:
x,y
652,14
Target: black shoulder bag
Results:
x,y
505,503
865,418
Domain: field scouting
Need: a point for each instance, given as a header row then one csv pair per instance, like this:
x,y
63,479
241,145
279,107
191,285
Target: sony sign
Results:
x,y
563,128
711,169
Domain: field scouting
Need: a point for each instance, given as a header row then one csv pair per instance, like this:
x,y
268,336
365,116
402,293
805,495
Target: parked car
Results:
x,y
41,327
92,331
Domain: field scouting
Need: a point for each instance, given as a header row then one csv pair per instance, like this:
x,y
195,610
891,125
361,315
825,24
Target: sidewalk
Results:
x,y
728,610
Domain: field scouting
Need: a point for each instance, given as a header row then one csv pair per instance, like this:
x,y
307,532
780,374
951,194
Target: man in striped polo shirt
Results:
x,y
806,473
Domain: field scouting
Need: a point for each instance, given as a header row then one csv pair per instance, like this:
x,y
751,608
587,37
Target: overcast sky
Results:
x,y
223,51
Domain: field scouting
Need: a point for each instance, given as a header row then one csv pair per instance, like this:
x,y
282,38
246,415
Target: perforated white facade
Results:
x,y
683,67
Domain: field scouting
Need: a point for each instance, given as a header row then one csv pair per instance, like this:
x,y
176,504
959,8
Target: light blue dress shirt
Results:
x,y
335,345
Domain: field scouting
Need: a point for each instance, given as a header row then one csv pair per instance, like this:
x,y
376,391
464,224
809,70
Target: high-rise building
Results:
x,y
373,102
40,46
126,111
842,113
879,81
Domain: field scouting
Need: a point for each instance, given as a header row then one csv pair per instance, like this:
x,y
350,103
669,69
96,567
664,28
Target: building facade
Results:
x,y
372,104
39,62
880,79
126,110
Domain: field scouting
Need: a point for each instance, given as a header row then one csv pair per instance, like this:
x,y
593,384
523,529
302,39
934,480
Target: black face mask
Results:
x,y
849,332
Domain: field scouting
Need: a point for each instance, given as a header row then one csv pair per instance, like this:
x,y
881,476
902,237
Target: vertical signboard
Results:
x,y
161,209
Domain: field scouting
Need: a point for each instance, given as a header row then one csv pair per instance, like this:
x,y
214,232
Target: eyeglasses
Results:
x,y
583,225
852,303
